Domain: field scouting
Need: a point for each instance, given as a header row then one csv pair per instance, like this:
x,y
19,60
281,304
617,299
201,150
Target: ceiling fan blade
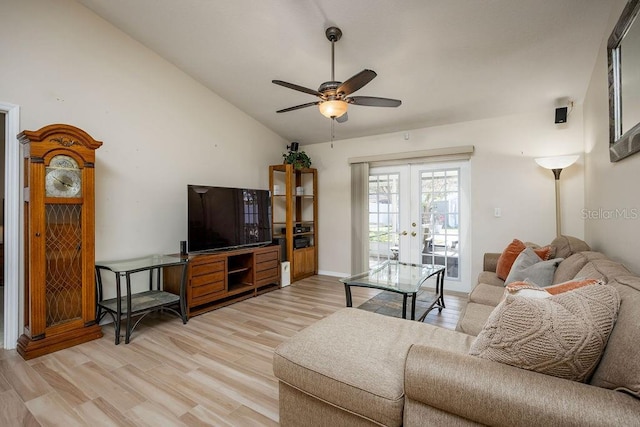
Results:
x,y
373,101
356,82
298,88
297,107
343,118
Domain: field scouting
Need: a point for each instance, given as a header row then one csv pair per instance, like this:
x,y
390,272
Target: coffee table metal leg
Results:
x,y
347,291
441,297
404,306
118,317
414,296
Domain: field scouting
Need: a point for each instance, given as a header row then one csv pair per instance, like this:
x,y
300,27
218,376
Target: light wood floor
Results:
x,y
216,370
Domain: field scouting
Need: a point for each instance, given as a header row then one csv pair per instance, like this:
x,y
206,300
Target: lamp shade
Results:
x,y
200,190
333,108
557,162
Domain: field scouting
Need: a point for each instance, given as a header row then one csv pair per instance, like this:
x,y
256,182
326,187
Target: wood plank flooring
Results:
x,y
216,370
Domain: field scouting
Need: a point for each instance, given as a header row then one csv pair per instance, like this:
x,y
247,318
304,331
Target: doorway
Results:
x,y
11,216
419,213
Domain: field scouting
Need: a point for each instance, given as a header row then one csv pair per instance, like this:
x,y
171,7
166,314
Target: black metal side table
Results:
x,y
140,303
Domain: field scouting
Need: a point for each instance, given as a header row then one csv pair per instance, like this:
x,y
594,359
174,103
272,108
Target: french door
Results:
x,y
419,213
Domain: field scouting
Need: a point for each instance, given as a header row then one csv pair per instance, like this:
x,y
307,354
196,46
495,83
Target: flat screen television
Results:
x,y
226,218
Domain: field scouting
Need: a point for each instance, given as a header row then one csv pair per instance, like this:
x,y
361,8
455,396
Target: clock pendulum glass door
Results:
x,y
63,293
63,179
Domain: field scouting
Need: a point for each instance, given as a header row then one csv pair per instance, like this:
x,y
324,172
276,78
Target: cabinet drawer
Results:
x,y
268,265
205,299
268,280
207,268
267,256
206,279
266,274
209,288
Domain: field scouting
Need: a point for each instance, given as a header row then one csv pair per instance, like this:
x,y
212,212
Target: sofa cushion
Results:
x,y
474,317
490,278
511,252
529,266
486,294
566,246
563,335
354,360
604,269
569,268
490,261
619,368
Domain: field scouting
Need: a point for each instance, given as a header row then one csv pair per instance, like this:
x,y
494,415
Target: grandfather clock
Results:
x,y
59,239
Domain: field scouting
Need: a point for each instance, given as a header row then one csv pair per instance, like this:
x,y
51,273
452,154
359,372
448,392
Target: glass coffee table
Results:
x,y
402,278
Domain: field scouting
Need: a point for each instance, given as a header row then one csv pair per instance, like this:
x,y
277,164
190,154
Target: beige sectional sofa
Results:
x,y
356,368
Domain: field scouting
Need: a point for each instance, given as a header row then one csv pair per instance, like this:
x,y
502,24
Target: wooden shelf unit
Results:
x,y
295,216
222,278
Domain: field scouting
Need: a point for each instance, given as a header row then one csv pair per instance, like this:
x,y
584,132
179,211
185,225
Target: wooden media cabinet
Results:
x,y
222,278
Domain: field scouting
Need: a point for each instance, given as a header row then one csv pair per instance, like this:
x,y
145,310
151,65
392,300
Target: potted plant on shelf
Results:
x,y
298,159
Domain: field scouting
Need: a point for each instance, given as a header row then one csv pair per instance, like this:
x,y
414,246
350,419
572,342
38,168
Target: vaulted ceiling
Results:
x,y
447,60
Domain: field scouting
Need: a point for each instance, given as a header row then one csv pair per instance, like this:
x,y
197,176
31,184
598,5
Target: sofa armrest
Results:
x,y
490,261
492,393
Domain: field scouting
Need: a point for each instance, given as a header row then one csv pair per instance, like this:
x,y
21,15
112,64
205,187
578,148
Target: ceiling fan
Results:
x,y
334,95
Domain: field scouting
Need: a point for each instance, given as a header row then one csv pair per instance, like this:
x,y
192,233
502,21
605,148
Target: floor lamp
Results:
x,y
556,164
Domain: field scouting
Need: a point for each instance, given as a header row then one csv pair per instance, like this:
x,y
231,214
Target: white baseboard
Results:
x,y
333,273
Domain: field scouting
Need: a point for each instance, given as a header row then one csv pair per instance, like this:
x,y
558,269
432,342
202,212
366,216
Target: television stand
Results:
x,y
218,279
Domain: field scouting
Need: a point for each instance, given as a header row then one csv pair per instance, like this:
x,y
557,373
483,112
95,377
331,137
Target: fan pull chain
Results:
x,y
333,134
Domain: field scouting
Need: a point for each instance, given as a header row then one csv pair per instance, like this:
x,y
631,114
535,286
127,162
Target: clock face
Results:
x,y
63,177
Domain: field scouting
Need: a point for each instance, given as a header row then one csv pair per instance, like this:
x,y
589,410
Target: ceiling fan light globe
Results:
x,y
333,109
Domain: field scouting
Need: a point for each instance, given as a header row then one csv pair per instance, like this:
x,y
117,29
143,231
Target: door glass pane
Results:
x,y
384,217
440,201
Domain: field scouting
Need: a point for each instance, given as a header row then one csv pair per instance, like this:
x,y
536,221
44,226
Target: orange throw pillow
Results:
x,y
509,255
571,285
544,253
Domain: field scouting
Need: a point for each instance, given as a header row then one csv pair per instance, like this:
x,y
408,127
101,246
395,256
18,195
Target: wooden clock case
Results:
x,y
60,302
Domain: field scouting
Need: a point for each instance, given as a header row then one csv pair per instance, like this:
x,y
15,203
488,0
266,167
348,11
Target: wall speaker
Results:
x,y
282,242
561,115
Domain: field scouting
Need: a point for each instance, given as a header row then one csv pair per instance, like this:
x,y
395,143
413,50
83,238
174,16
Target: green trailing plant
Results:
x,y
298,159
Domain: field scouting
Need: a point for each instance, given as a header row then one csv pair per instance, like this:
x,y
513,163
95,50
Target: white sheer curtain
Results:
x,y
359,217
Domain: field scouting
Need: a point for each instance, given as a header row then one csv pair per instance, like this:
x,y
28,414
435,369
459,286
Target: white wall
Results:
x,y
161,129
503,174
611,188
